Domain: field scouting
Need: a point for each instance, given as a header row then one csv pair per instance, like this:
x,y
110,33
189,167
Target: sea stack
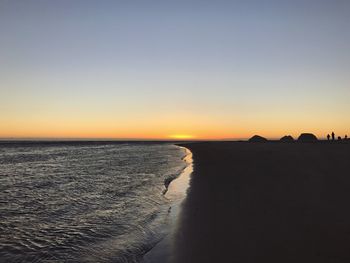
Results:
x,y
307,137
257,138
287,138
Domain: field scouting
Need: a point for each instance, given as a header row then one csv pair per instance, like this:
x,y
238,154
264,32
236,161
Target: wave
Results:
x,y
86,203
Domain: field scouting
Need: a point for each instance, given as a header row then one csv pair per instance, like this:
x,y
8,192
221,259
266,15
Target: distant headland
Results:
x,y
303,137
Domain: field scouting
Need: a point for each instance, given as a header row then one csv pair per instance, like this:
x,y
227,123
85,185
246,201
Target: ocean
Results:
x,y
84,201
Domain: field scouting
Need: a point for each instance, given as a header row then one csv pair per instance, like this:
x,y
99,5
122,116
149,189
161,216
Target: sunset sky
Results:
x,y
174,69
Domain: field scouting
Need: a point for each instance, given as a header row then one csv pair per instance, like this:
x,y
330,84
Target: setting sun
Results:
x,y
181,136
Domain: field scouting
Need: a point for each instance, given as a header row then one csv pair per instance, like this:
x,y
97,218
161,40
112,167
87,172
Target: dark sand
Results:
x,y
266,202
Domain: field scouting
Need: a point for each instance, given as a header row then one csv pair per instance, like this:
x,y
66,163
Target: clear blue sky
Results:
x,y
162,68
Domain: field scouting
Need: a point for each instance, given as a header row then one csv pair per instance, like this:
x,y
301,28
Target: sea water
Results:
x,y
84,202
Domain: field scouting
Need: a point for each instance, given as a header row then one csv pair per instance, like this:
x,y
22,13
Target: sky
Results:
x,y
174,69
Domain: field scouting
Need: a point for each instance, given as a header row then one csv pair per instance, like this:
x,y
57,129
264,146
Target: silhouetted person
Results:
x,y
339,138
346,137
333,136
328,137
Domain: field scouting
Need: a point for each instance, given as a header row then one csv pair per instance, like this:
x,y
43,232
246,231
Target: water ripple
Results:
x,y
79,203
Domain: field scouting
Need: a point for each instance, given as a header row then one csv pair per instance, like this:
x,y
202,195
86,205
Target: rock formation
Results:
x,y
257,138
307,137
287,138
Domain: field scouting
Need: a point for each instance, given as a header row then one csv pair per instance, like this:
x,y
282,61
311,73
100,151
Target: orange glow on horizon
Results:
x,y
181,136
181,127
208,135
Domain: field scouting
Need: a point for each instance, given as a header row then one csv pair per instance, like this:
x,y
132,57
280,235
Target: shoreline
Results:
x,y
187,158
176,192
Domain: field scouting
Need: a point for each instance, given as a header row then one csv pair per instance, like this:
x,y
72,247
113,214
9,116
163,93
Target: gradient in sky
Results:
x,y
165,69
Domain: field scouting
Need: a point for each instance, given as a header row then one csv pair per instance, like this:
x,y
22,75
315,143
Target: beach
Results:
x,y
266,202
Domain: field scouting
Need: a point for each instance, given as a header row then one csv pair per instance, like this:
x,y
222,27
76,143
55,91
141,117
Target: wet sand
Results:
x,y
176,192
266,202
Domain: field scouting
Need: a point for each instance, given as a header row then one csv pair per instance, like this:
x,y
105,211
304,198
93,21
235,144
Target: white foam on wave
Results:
x,y
177,191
